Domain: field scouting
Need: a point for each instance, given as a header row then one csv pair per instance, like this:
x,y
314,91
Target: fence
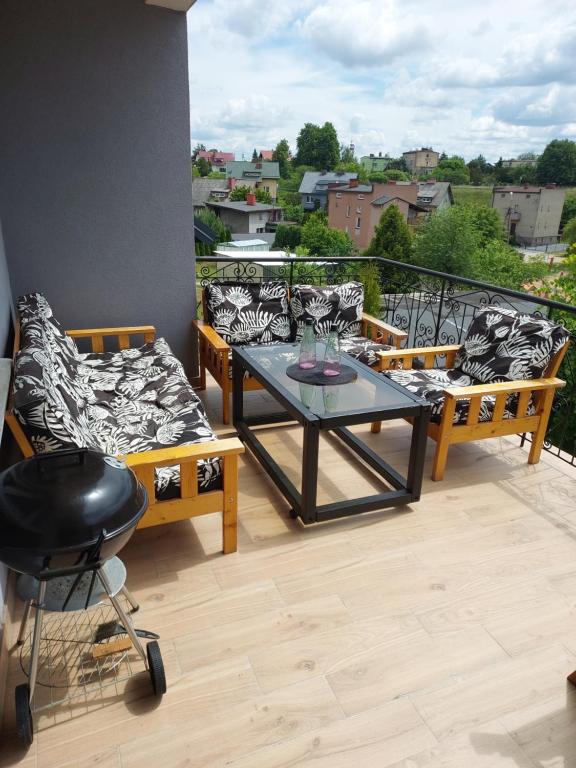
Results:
x,y
432,307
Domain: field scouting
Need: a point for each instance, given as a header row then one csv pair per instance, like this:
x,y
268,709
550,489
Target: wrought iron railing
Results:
x,y
432,307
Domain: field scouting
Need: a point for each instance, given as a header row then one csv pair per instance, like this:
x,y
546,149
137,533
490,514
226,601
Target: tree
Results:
x,y
448,241
479,169
497,263
557,164
488,224
318,146
287,238
323,242
294,213
198,148
569,232
398,164
241,190
453,169
282,156
394,174
569,209
347,154
203,166
254,156
392,238
208,217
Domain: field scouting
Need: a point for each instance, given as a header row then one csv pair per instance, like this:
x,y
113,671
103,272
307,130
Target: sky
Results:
x,y
466,77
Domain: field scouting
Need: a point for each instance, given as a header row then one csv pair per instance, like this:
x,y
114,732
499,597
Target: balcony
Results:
x,y
436,634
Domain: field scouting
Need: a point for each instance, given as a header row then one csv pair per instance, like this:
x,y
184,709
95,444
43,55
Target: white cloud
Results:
x,y
260,69
365,33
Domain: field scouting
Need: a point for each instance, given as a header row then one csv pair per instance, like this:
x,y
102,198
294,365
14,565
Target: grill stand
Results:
x,y
24,694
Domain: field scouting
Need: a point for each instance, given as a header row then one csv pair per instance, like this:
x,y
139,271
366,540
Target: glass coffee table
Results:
x,y
371,397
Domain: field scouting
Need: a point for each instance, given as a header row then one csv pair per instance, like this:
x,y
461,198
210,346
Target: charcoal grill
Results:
x,y
64,516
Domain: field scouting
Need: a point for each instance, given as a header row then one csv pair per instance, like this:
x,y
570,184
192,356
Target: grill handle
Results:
x,y
68,457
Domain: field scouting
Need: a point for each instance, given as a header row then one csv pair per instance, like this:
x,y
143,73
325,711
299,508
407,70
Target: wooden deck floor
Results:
x,y
433,636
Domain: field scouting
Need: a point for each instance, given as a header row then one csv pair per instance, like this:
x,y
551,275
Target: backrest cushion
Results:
x,y
504,345
325,305
249,312
32,309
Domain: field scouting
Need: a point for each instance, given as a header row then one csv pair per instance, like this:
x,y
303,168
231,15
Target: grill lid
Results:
x,y
67,499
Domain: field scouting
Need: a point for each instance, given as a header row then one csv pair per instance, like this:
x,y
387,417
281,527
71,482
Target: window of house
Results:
x,y
360,197
503,194
358,222
348,211
527,196
308,198
359,209
338,194
346,229
260,230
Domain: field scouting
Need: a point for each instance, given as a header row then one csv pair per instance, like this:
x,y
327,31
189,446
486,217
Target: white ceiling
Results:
x,y
175,5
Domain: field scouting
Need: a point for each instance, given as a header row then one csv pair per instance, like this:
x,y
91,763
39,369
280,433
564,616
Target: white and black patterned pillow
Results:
x,y
504,345
249,312
341,305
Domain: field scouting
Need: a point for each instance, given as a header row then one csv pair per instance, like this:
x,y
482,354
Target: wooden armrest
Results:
x,y
510,387
380,325
180,454
147,330
407,356
211,336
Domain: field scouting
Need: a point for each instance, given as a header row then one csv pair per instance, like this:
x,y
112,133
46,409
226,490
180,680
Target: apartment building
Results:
x,y
531,215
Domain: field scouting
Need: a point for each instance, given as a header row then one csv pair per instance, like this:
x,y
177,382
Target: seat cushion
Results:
x,y
431,384
249,312
33,309
504,345
362,349
341,305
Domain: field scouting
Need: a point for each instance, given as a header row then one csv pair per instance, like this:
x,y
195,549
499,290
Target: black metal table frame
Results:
x,y
405,490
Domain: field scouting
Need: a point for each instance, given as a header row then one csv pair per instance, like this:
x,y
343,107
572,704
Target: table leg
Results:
x,y
417,453
310,472
237,390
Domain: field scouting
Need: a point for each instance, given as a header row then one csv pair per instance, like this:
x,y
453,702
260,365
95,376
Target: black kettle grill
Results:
x,y
64,514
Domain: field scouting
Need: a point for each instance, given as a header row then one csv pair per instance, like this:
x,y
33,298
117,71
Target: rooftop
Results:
x,y
312,179
240,169
435,634
242,206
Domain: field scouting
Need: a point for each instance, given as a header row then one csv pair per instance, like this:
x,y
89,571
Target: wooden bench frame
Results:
x,y
445,433
190,503
216,354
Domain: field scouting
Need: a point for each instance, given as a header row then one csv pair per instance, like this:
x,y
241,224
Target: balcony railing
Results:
x,y
432,307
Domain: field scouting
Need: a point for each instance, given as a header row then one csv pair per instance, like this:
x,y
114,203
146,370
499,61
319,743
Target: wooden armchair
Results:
x,y
515,407
190,502
216,354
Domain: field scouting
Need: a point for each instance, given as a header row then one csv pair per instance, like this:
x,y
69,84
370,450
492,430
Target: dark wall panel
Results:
x,y
95,192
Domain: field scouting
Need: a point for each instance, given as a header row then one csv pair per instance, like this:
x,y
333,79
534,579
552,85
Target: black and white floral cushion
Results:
x,y
432,383
249,312
126,402
504,345
362,349
341,305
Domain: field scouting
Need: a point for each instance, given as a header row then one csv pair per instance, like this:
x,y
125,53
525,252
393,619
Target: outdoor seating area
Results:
x,y
434,634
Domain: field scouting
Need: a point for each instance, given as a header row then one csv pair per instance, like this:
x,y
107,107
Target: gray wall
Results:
x,y
5,325
95,188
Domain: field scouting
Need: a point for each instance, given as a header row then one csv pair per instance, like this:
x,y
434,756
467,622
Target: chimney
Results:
x,y
379,154
250,198
231,183
353,183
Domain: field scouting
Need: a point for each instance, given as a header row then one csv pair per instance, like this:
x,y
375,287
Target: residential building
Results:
x,y
259,175
531,214
356,208
375,163
515,163
246,216
433,195
204,189
315,185
423,160
216,159
266,154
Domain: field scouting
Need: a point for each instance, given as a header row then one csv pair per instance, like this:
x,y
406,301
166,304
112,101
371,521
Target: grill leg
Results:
x,y
131,599
123,616
22,632
39,606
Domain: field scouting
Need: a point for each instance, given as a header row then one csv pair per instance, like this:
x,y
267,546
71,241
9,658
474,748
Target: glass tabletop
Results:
x,y
371,391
